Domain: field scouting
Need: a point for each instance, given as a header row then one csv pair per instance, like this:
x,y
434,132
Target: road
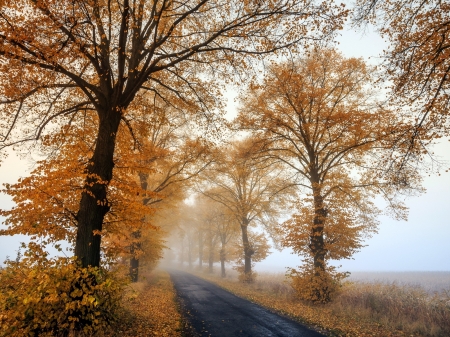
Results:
x,y
213,311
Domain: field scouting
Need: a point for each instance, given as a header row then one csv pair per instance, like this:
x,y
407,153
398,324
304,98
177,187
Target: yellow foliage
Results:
x,y
55,297
314,284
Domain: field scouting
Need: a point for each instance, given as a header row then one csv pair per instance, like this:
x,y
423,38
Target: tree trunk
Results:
x,y
211,261
317,245
200,249
134,269
181,256
211,252
222,262
134,261
94,204
190,248
248,251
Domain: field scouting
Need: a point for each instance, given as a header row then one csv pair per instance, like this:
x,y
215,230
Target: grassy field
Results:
x,y
364,307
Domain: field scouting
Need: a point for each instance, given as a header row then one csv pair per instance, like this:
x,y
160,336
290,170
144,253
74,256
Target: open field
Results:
x,y
430,281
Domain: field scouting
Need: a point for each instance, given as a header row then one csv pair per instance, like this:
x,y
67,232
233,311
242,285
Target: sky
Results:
x,y
419,244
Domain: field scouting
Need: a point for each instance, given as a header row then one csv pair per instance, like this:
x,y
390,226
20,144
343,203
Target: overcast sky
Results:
x,y
420,244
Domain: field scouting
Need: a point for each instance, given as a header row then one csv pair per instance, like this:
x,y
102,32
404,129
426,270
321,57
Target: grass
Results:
x,y
360,308
150,308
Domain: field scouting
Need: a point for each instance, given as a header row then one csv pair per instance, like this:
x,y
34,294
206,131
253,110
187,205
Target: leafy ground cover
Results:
x,y
360,309
150,308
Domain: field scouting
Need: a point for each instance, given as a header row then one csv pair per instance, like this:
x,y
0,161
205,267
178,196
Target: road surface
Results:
x,y
212,311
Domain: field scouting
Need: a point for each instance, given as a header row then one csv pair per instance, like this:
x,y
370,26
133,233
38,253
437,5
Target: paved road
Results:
x,y
215,312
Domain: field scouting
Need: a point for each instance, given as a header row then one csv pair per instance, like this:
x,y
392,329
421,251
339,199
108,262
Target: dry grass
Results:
x,y
150,308
400,307
360,309
430,281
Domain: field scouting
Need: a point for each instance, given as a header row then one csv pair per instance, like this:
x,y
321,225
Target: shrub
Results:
x,y
312,284
56,297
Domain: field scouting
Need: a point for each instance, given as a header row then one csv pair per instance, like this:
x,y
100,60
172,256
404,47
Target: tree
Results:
x,y
227,230
218,225
172,159
147,179
62,58
417,62
259,246
254,189
320,119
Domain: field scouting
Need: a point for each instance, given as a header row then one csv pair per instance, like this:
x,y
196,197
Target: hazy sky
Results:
x,y
421,244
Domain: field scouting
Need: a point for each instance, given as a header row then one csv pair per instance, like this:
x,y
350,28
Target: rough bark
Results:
x,y
317,245
94,204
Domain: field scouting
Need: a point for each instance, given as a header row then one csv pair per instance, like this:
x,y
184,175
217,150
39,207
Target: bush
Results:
x,y
315,285
56,297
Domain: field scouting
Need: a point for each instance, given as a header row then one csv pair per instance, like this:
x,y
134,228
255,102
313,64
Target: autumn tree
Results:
x,y
416,62
169,159
321,119
227,230
61,58
259,245
218,227
252,188
149,178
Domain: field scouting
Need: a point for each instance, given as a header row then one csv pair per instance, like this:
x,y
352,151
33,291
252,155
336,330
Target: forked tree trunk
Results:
x,y
94,204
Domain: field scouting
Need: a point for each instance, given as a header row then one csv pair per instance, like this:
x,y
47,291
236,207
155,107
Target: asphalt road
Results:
x,y
212,311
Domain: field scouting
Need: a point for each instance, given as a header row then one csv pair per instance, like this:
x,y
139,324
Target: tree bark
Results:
x,y
134,261
134,269
94,204
248,251
317,245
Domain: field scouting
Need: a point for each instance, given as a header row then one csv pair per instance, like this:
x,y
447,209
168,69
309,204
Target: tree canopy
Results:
x,y
320,119
416,61
62,58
